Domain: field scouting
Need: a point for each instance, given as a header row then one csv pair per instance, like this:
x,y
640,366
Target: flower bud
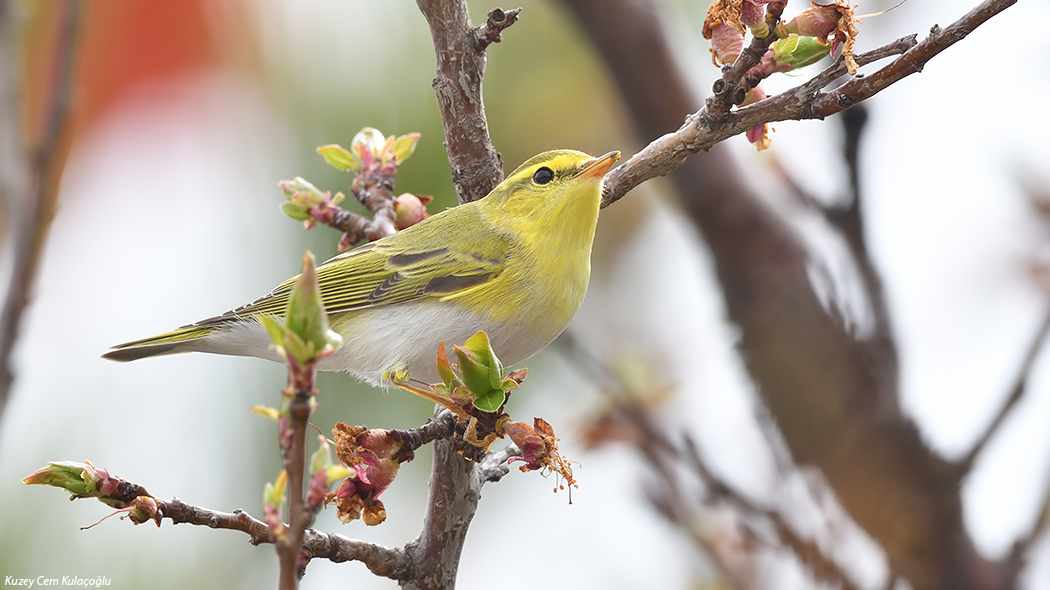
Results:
x,y
273,506
366,147
753,15
833,24
79,479
794,51
481,372
819,21
410,209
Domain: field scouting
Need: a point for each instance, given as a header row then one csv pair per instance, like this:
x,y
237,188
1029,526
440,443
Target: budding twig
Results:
x,y
709,126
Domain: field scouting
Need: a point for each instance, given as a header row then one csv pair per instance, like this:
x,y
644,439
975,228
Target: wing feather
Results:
x,y
417,262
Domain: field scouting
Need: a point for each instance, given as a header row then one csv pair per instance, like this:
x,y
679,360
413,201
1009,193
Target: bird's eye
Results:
x,y
543,175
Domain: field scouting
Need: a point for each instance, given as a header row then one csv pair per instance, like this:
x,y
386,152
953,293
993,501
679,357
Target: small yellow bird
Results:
x,y
514,264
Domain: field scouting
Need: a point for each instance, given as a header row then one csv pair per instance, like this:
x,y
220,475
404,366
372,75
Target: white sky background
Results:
x,y
144,241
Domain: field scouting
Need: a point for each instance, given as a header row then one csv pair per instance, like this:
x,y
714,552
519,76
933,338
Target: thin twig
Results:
x,y
665,457
389,562
294,456
494,466
180,512
495,23
29,180
384,561
822,566
806,101
1017,391
882,354
728,91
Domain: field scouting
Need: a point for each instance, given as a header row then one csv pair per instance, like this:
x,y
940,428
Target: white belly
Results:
x,y
377,339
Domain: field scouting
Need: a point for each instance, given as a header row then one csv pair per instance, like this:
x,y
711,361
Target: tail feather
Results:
x,y
181,340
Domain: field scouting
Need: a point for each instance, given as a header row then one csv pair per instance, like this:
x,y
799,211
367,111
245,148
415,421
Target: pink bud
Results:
x,y
819,21
753,15
726,44
409,210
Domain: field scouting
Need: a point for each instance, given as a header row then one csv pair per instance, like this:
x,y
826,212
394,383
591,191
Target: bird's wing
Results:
x,y
412,264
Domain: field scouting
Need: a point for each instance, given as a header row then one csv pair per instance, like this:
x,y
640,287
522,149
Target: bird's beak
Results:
x,y
597,167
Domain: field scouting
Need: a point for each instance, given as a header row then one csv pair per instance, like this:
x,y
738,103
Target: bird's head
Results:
x,y
553,187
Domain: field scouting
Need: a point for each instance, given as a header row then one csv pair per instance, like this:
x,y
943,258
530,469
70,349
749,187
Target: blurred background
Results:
x,y
188,113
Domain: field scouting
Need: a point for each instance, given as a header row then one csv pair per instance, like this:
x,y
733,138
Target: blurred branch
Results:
x,y
1021,550
881,351
460,51
1017,391
832,394
29,176
809,554
653,441
708,126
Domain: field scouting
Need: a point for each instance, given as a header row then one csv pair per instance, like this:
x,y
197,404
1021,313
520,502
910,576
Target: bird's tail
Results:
x,y
188,339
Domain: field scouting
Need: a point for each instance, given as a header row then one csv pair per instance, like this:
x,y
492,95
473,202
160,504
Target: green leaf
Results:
x,y
444,367
294,211
338,472
490,401
799,51
339,158
305,316
405,146
268,412
299,350
76,478
479,345
274,328
322,457
274,492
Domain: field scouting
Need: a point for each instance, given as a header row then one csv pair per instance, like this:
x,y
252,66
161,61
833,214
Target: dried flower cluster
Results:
x,y
814,33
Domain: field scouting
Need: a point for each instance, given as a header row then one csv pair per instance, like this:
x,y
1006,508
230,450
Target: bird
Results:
x,y
514,264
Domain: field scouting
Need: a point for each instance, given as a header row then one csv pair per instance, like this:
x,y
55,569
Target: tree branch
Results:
x,y
293,454
809,554
29,176
832,395
460,51
455,488
704,128
455,482
728,90
383,561
654,441
422,562
1017,391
